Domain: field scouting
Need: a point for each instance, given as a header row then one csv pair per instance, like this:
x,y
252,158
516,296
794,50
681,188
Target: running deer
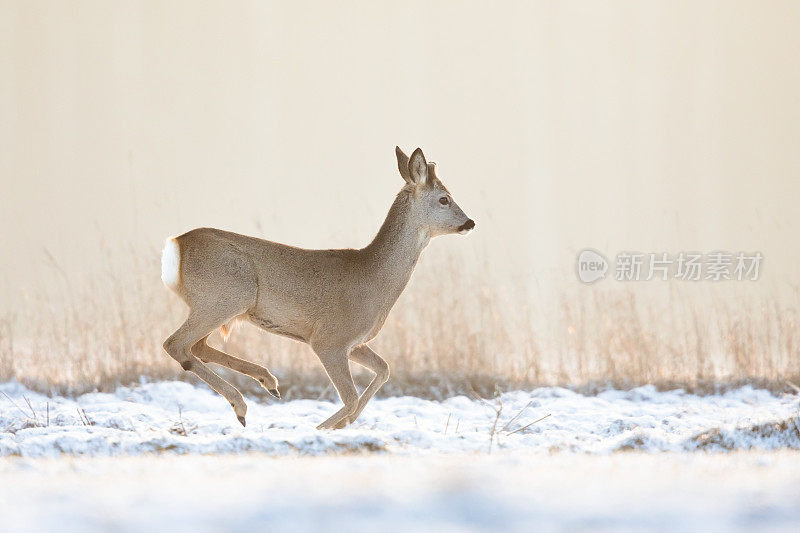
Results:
x,y
334,300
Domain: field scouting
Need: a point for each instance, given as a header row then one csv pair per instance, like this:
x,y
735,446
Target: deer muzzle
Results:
x,y
465,228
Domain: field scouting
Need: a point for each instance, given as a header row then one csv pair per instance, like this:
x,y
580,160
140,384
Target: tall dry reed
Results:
x,y
454,330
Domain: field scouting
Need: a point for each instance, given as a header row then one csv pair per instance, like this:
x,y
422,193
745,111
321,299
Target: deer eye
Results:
x,y
444,200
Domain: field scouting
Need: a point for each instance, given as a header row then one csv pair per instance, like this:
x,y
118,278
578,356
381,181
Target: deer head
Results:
x,y
432,205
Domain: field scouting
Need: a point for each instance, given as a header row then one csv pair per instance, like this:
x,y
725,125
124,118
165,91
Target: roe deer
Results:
x,y
334,300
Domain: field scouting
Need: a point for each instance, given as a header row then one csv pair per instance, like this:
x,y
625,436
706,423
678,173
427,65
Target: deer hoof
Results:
x,y
275,393
242,421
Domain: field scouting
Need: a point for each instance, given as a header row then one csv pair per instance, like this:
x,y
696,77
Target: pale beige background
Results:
x,y
557,125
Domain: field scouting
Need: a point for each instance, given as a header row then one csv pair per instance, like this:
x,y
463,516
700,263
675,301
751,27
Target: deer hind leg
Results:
x,y
337,367
179,346
208,354
366,357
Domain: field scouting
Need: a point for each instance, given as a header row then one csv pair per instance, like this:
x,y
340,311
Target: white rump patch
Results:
x,y
171,264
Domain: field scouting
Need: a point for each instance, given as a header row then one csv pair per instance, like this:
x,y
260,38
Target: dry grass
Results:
x,y
451,332
786,431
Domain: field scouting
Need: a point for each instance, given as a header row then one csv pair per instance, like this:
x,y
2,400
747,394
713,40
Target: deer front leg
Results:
x,y
207,354
338,369
366,357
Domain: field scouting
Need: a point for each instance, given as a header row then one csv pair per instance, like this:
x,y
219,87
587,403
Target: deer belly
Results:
x,y
273,326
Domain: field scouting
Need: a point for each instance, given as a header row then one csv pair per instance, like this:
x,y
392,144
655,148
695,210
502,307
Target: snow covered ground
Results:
x,y
180,418
743,491
171,457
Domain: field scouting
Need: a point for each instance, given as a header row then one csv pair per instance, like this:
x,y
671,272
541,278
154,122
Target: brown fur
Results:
x,y
334,300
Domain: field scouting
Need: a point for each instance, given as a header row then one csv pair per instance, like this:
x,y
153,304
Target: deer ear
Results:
x,y
402,163
418,168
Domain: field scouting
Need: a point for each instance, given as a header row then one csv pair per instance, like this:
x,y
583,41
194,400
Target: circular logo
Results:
x,y
591,266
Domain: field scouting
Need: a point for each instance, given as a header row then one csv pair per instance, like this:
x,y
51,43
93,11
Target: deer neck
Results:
x,y
395,250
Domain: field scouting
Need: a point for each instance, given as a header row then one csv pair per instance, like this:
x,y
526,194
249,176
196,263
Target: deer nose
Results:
x,y
466,226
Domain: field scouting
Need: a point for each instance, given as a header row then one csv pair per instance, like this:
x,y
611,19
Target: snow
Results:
x,y
181,418
746,491
168,457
